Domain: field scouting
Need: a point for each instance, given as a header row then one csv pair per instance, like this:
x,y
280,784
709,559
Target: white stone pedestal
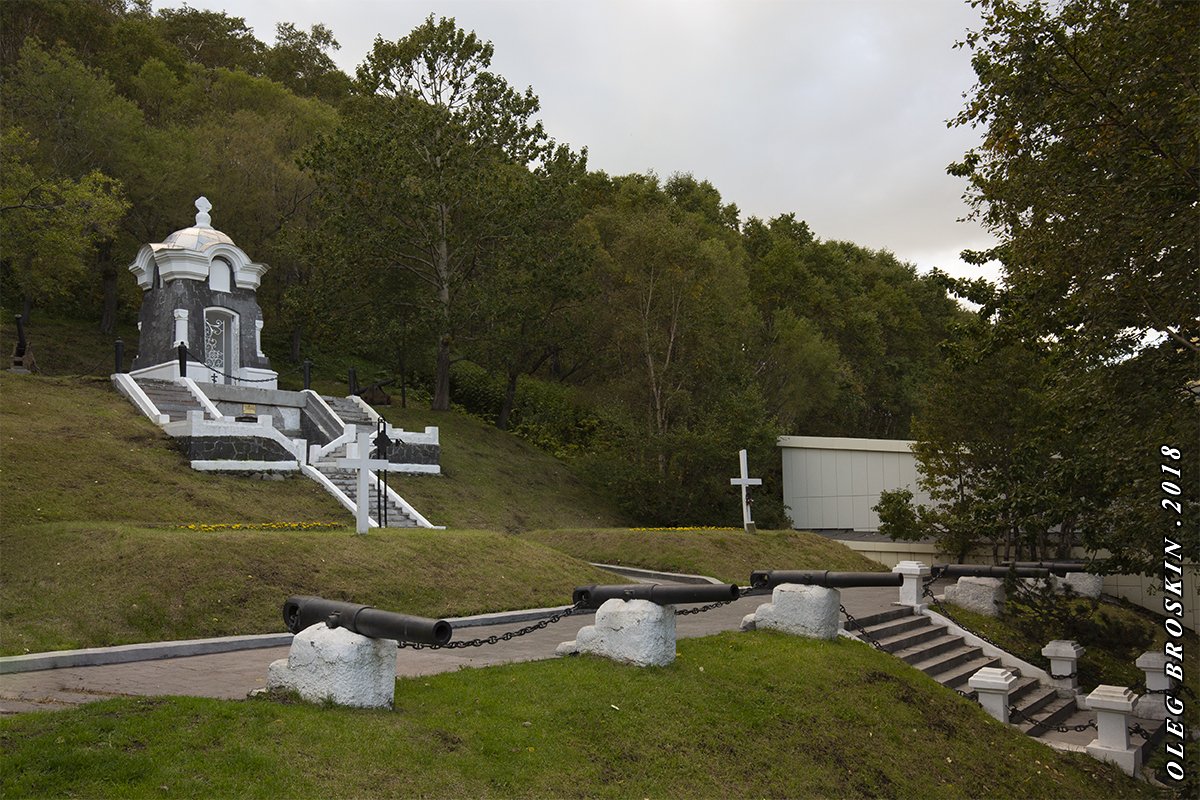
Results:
x,y
339,666
981,595
634,632
1154,706
810,611
1064,658
911,591
992,685
1113,705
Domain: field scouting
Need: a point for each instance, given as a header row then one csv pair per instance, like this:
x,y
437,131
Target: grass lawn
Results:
x,y
725,555
71,585
75,449
737,715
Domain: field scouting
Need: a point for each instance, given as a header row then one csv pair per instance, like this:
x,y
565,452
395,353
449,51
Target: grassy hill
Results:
x,y
737,715
75,449
109,537
725,555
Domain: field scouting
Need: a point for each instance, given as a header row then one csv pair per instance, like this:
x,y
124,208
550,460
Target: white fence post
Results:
x,y
914,572
1153,705
1113,705
1064,656
992,685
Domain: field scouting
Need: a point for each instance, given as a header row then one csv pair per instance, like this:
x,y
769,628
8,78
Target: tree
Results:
x,y
50,225
526,309
1088,171
212,38
847,334
1088,175
419,168
989,445
300,61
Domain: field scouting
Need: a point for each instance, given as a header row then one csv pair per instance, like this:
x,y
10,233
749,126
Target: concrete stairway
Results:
x,y
350,412
170,398
949,660
347,481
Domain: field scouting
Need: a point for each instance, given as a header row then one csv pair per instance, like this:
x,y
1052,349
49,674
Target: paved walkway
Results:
x,y
233,675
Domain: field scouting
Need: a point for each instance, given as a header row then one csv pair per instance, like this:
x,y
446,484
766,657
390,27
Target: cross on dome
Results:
x,y
203,220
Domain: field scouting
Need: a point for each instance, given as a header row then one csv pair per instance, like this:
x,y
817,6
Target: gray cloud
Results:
x,y
835,111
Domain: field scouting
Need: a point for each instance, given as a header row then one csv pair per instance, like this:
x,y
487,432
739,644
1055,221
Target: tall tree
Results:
x,y
1088,173
419,164
525,310
301,62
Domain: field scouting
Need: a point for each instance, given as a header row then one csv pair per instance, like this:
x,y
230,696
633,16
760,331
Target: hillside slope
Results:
x,y
73,449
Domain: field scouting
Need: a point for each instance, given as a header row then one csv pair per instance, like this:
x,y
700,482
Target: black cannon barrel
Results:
x,y
1056,567
301,611
987,571
769,579
662,593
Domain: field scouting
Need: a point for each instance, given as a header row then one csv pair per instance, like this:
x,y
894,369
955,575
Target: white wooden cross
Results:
x,y
745,481
358,458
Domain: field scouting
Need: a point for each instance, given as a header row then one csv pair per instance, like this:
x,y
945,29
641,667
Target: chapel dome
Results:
x,y
200,236
197,238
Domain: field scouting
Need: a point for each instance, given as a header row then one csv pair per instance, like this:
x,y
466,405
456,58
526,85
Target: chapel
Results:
x,y
200,290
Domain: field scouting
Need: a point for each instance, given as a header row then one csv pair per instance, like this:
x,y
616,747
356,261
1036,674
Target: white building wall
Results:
x,y
832,483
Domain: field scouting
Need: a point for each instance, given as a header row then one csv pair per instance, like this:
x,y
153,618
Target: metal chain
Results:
x,y
1178,690
226,374
1137,730
1063,677
496,638
91,369
1015,715
854,624
701,609
942,610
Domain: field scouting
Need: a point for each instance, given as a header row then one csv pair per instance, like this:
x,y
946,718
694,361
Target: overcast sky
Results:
x,y
835,110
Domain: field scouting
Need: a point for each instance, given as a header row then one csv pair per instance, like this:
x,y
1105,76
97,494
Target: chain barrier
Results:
x,y
928,592
1136,729
854,624
701,609
224,374
496,638
90,370
1015,715
1063,677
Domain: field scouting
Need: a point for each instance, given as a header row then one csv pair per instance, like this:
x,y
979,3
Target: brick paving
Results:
x,y
233,675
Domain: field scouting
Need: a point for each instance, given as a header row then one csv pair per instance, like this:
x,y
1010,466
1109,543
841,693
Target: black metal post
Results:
x,y
120,356
182,360
353,380
382,450
21,345
307,374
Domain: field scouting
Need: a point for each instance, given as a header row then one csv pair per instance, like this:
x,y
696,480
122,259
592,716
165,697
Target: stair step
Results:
x,y
872,620
929,649
349,411
1034,699
958,676
347,481
1054,713
909,639
948,659
895,627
